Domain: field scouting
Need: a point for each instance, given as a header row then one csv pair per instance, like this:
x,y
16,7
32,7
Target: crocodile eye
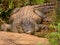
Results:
x,y
47,19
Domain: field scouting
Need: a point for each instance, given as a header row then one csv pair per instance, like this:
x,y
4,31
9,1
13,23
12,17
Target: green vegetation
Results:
x,y
54,37
11,4
40,1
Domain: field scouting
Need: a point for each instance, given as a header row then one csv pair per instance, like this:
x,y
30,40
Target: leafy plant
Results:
x,y
26,2
11,4
54,37
40,1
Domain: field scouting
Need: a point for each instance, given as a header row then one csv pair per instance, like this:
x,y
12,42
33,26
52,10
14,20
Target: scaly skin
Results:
x,y
29,19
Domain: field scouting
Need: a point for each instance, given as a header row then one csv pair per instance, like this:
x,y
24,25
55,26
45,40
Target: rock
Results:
x,y
9,38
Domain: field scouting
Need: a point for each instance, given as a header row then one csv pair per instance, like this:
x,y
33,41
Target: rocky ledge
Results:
x,y
9,38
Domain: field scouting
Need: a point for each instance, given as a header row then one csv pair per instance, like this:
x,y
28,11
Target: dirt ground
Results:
x,y
9,38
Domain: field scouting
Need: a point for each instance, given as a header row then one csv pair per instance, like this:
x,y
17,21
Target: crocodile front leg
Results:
x,y
42,27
